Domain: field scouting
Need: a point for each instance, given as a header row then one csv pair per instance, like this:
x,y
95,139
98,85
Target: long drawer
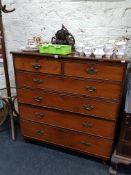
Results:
x,y
94,70
70,139
69,85
75,104
36,64
67,120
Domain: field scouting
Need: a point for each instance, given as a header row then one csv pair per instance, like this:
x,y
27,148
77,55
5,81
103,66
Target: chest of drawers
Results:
x,y
68,101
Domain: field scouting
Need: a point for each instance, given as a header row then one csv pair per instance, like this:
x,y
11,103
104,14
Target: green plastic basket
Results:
x,y
55,49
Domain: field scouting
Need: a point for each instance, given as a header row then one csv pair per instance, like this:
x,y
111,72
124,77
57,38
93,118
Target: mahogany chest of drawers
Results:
x,y
69,101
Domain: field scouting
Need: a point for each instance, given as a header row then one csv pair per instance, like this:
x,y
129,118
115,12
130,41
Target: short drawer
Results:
x,y
98,108
35,64
67,120
69,139
69,85
94,70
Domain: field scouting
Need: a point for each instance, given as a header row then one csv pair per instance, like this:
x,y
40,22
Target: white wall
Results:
x,y
96,19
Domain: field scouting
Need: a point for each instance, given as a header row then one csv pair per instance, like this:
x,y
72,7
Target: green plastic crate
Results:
x,y
55,49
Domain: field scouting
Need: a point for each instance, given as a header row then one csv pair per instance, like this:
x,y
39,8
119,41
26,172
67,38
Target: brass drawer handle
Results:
x,y
86,143
87,125
88,107
40,133
24,87
91,88
37,99
38,81
39,115
36,66
91,71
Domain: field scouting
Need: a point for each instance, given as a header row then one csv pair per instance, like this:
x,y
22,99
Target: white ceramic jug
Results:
x,y
99,51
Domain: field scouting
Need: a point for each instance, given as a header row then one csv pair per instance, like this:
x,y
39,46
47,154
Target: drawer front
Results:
x,y
126,129
69,85
95,71
35,64
124,148
74,140
127,134
69,103
67,120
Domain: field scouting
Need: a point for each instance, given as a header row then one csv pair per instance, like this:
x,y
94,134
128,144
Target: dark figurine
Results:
x,y
63,37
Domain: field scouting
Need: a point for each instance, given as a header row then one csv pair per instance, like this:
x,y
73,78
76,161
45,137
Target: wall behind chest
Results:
x,y
84,18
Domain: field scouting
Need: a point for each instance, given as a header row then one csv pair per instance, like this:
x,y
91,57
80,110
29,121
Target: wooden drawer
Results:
x,y
94,70
35,64
81,105
69,85
67,120
65,138
126,128
127,134
124,149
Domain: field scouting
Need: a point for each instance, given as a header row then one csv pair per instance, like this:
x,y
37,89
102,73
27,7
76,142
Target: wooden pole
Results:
x,y
4,10
5,58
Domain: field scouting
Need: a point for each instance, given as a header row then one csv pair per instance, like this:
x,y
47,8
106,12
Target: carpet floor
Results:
x,y
23,158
